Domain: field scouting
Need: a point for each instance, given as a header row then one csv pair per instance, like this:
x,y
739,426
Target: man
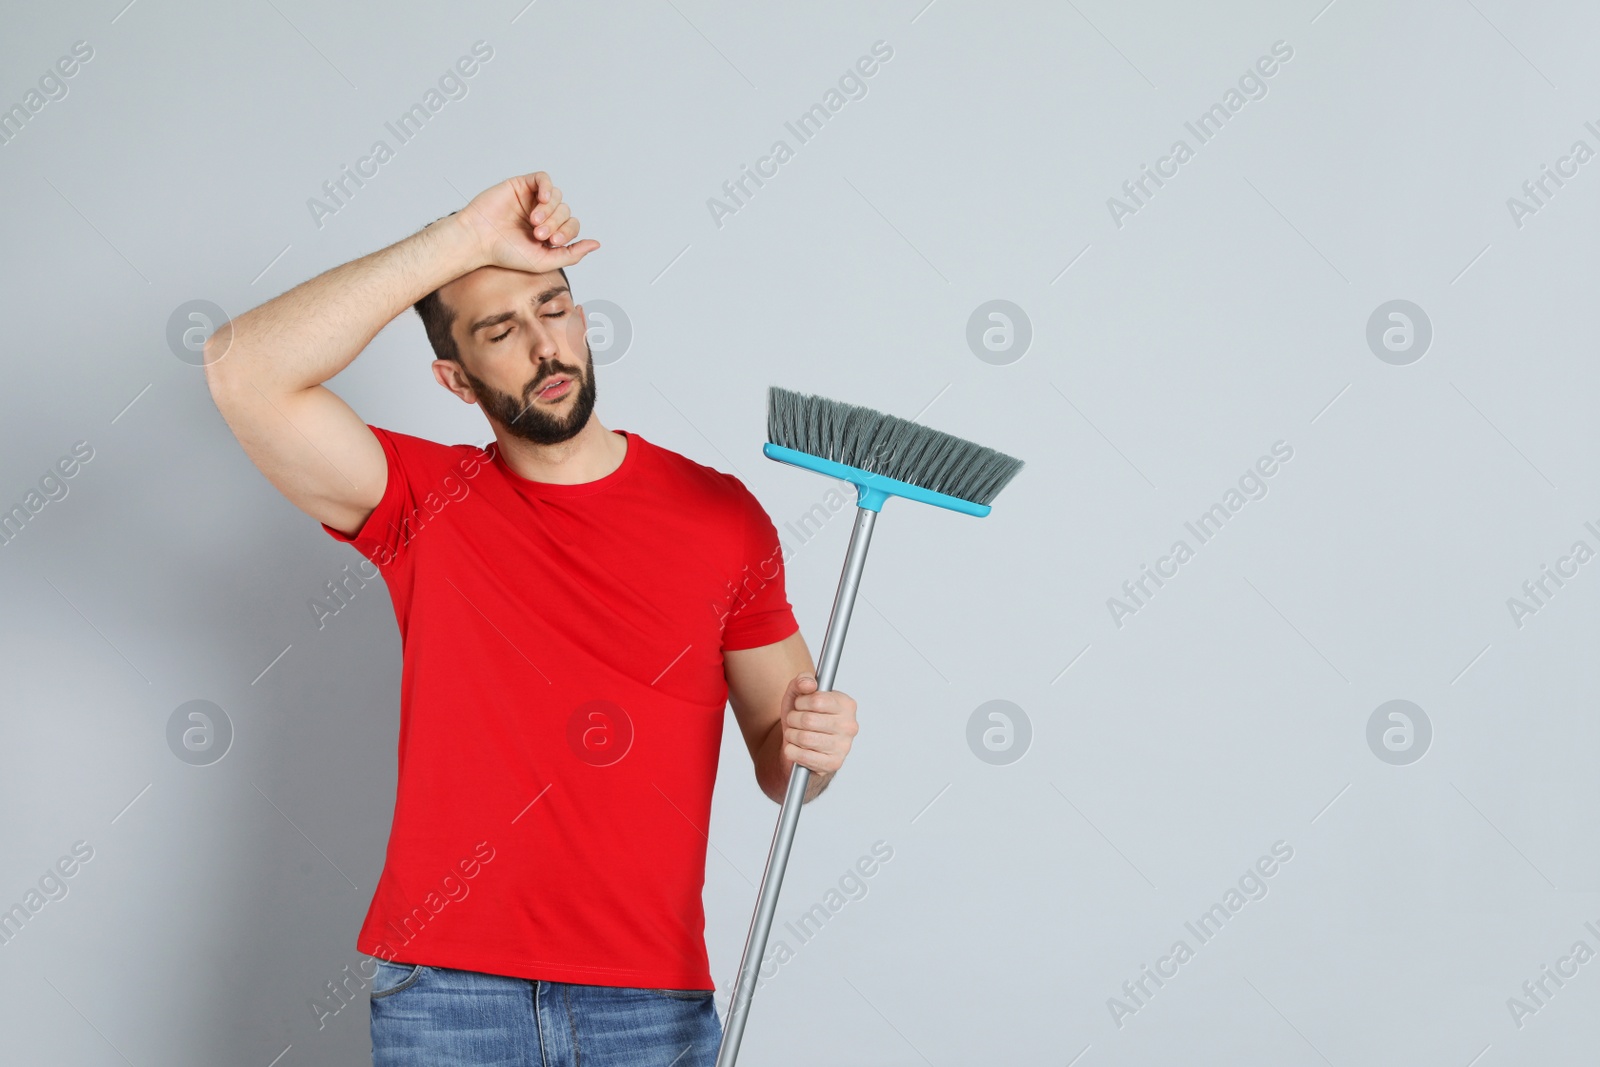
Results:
x,y
576,605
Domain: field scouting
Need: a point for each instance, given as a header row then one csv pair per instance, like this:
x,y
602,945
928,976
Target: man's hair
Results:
x,y
437,319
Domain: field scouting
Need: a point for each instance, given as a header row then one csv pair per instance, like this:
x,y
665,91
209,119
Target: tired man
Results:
x,y
576,606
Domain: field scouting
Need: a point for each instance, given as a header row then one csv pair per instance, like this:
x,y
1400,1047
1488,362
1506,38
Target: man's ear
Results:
x,y
448,373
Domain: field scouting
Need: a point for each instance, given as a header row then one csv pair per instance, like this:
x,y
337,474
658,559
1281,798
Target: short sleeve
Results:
x,y
380,537
419,479
760,612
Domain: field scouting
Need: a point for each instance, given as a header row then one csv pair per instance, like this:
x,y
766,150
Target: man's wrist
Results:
x,y
455,243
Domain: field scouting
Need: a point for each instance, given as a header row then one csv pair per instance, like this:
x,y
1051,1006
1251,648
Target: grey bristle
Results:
x,y
885,444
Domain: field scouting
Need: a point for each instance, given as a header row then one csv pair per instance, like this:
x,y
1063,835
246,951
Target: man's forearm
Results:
x,y
312,332
773,769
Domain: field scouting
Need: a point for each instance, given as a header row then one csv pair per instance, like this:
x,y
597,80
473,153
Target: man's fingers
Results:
x,y
567,255
817,726
553,221
821,719
828,701
541,185
550,206
814,740
566,233
528,190
840,730
543,209
817,762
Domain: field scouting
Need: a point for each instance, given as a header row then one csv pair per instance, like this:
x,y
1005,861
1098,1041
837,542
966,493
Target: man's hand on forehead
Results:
x,y
524,224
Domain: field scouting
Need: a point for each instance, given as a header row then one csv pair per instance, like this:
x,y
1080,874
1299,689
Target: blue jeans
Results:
x,y
424,1016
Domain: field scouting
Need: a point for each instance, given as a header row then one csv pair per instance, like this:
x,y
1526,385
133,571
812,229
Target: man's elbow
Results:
x,y
776,786
219,372
771,789
229,376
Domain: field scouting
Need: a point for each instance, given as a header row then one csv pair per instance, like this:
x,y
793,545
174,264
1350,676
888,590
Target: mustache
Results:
x,y
533,387
575,373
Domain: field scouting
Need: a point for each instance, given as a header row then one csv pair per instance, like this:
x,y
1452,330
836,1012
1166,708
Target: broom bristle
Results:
x,y
885,444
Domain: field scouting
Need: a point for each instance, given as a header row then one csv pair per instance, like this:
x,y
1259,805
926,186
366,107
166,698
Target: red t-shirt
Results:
x,y
561,707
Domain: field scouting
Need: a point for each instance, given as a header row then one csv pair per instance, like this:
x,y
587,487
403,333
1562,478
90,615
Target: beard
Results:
x,y
522,417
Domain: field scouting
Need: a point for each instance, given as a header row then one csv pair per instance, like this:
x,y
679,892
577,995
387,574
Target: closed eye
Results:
x,y
502,337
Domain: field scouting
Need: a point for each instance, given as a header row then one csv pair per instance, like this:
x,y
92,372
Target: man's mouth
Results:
x,y
554,388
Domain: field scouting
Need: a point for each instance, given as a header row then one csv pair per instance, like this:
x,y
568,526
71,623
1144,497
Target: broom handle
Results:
x,y
755,944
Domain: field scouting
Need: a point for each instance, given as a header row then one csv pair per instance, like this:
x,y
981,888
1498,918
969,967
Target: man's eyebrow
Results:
x,y
538,300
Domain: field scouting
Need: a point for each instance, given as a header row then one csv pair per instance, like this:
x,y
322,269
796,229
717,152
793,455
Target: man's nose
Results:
x,y
544,345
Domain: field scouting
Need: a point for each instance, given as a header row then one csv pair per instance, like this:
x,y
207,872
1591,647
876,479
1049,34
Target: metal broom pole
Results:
x,y
755,943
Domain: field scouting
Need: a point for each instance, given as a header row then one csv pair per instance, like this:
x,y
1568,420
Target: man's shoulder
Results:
x,y
691,474
425,447
426,461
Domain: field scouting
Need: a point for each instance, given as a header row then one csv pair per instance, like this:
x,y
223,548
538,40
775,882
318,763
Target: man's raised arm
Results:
x,y
266,367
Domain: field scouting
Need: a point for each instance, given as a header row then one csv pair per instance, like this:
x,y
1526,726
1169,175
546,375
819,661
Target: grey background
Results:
x,y
1167,754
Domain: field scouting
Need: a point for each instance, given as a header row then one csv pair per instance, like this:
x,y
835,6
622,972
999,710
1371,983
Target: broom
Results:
x,y
882,456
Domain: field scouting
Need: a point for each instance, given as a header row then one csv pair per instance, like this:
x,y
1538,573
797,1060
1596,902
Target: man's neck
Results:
x,y
590,455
